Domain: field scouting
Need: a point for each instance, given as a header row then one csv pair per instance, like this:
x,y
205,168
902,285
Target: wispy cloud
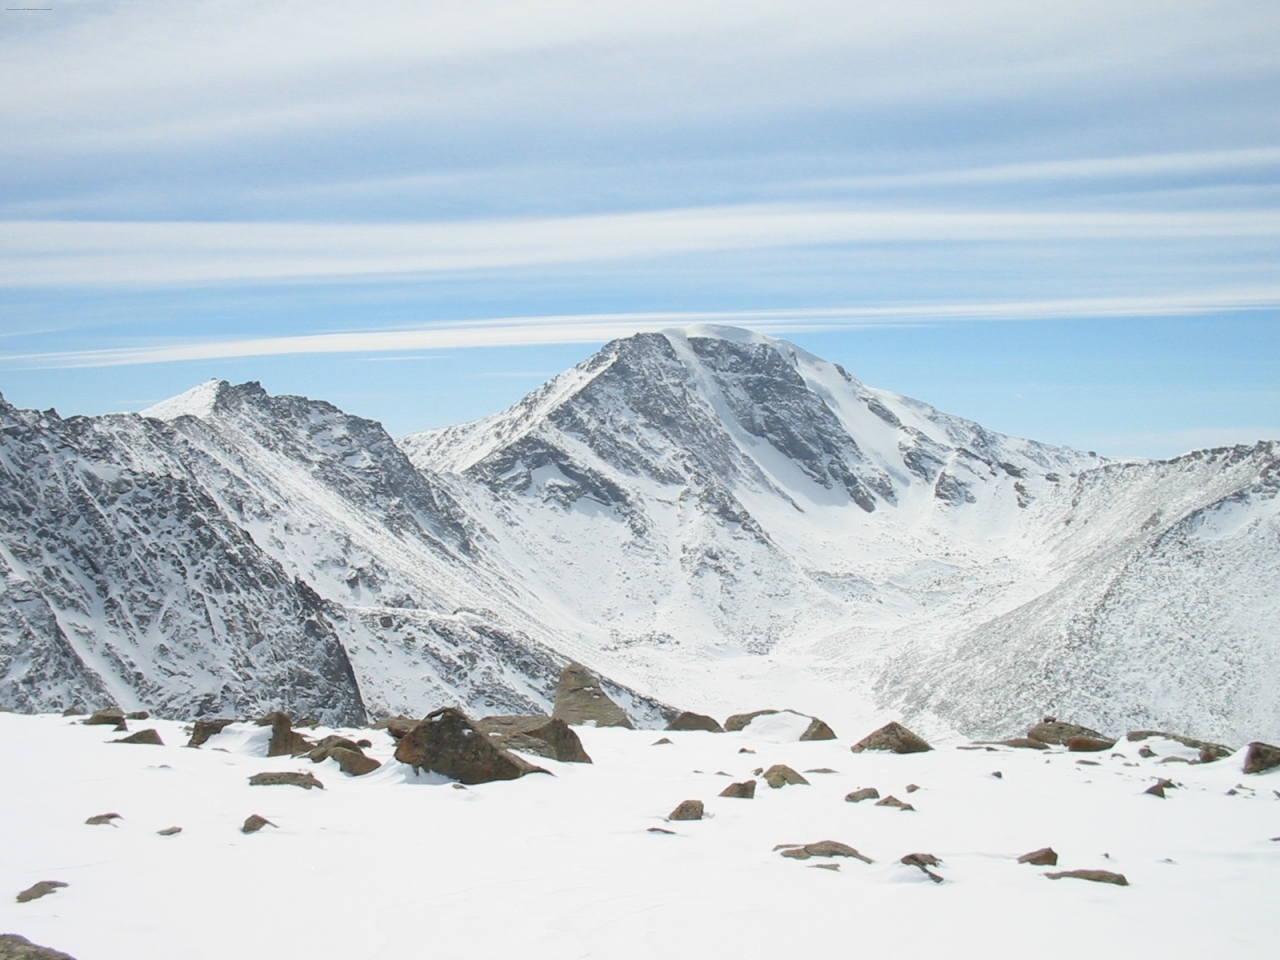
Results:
x,y
598,327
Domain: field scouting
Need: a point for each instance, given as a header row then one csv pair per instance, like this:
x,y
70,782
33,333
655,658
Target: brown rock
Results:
x,y
1158,789
204,729
688,810
1023,743
739,721
169,831
285,742
138,715
893,737
150,736
38,890
543,736
1208,751
1097,876
817,730
746,790
1261,756
1044,857
892,801
780,775
695,721
320,751
285,779
1050,730
580,699
661,743
364,744
72,712
396,727
866,793
110,718
14,947
912,788
924,861
353,762
1088,744
669,833
253,823
447,742
823,848
1146,752
821,770
745,750
102,818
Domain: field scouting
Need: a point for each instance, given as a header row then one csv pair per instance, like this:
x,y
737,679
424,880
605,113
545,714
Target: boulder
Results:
x,y
817,730
739,721
687,810
204,729
1022,743
892,801
396,727
321,750
823,848
111,717
14,947
661,742
580,700
1097,876
923,861
285,778
169,831
543,736
353,762
1088,744
447,742
285,742
38,890
138,715
150,735
695,721
780,775
746,790
893,737
253,823
866,793
1051,730
1044,857
1208,751
1261,756
100,819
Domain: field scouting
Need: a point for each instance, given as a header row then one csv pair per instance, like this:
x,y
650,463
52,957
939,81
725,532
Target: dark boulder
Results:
x,y
1044,857
253,823
285,778
543,736
1261,756
695,721
204,729
447,742
38,890
1088,744
1097,876
780,775
108,718
150,736
321,750
739,721
893,737
14,947
817,730
687,810
1051,730
866,793
169,831
581,700
285,742
353,762
746,790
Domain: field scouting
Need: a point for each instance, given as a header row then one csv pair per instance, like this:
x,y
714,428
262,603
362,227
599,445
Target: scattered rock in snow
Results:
x,y
285,742
364,744
101,818
739,721
1088,744
746,790
746,750
695,721
823,848
780,775
580,699
150,736
169,831
821,770
687,810
544,736
112,718
1044,857
866,793
658,743
1146,752
924,861
997,774
670,833
893,737
14,947
138,715
72,712
320,751
1051,730
285,779
396,727
1261,756
817,730
1023,743
1089,763
204,729
1208,751
912,788
824,866
353,762
254,823
1097,876
447,742
892,801
38,890
1158,789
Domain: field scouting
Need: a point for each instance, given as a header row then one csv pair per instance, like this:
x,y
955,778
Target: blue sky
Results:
x,y
1060,219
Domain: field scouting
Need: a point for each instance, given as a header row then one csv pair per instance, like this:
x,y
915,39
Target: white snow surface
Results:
x,y
394,865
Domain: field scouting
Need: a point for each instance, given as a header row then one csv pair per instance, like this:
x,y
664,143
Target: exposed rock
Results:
x,y
780,775
1051,730
924,861
169,831
1097,876
1158,789
866,793
150,735
824,866
138,715
997,774
72,712
14,947
110,717
662,742
670,833
823,848
544,736
892,801
1088,744
1208,751
285,778
38,890
1044,857
1023,743
285,742
821,770
364,744
306,723
204,729
745,750
687,810
321,750
1146,752
746,790
893,737
353,762
254,823
817,730
580,699
397,727
912,788
101,818
1261,756
447,742
739,721
695,721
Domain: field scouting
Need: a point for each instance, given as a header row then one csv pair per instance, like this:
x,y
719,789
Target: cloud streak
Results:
x,y
595,328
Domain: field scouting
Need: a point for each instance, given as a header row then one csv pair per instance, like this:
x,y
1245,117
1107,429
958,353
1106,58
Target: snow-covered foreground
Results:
x,y
391,865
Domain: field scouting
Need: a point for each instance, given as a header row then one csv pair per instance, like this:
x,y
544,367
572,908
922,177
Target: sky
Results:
x,y
1061,220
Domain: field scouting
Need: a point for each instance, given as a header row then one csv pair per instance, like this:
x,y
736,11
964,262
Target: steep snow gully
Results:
x,y
709,518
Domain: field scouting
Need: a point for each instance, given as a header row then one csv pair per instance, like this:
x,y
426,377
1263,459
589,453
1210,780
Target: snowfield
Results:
x,y
566,866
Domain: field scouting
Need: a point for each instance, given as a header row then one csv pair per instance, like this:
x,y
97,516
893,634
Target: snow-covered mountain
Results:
x,y
710,517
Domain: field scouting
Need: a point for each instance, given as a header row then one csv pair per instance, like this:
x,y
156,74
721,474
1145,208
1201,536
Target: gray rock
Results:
x,y
823,848
169,831
253,823
580,699
739,721
102,818
1051,730
447,742
1097,876
780,775
285,778
893,737
110,718
695,721
892,801
14,947
746,790
866,793
923,861
38,890
817,730
544,736
148,736
687,810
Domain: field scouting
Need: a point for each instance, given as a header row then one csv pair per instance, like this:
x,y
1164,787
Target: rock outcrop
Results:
x,y
823,848
1044,857
817,730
